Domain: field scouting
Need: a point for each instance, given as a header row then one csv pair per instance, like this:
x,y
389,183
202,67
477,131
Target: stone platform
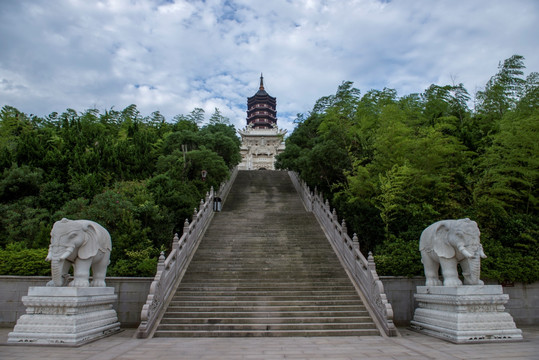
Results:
x,y
464,314
66,316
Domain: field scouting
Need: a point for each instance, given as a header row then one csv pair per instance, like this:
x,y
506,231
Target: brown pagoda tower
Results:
x,y
261,109
261,139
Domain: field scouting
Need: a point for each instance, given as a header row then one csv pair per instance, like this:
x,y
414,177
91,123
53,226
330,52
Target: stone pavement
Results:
x,y
409,345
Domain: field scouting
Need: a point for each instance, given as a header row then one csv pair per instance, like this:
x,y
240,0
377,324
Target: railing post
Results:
x,y
176,242
161,262
335,225
355,247
186,227
194,223
370,262
355,242
344,235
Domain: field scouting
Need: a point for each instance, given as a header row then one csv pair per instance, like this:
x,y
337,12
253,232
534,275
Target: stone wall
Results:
x,y
523,302
131,292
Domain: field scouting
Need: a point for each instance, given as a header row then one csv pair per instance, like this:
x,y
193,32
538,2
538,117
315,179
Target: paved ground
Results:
x,y
409,345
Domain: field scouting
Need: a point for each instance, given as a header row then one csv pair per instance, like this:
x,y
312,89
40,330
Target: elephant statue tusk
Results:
x,y
481,253
66,254
465,252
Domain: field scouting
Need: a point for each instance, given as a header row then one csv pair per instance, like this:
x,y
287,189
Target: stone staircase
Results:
x,y
265,268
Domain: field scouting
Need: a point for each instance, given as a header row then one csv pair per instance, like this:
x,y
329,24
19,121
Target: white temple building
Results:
x,y
261,139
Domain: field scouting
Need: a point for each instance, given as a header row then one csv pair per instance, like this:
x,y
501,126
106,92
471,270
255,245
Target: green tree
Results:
x,y
218,118
503,89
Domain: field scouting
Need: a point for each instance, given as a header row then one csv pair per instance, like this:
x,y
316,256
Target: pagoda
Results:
x,y
261,139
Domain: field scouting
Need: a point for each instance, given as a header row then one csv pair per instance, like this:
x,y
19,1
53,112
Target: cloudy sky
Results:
x,y
175,55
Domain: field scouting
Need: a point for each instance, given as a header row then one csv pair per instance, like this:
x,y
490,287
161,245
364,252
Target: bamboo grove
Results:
x,y
393,165
140,177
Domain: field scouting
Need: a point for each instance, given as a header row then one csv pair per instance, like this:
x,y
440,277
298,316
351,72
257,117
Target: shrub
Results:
x,y
17,260
399,258
137,263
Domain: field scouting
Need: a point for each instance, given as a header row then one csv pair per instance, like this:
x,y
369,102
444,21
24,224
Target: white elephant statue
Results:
x,y
83,244
448,243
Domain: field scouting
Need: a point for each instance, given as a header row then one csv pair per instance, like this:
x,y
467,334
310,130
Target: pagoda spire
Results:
x,y
261,82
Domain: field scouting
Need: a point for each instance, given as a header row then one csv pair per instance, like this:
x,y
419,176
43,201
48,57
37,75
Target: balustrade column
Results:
x,y
194,223
161,262
370,262
176,242
355,247
335,225
344,235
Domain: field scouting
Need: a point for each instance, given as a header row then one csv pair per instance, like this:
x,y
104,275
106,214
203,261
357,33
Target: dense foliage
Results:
x,y
393,165
140,177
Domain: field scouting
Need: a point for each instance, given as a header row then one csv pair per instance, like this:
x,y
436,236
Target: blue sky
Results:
x,y
173,56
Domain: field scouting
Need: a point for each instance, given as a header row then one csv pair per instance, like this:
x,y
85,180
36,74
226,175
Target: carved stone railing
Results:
x,y
171,269
362,271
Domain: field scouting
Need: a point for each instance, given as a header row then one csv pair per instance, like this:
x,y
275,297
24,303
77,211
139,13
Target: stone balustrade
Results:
x,y
171,269
362,270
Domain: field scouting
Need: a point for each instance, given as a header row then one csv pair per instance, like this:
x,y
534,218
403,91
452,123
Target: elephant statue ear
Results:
x,y
441,244
90,245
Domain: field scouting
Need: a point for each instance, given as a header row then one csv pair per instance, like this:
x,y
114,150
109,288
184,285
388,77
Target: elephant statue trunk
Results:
x,y
59,265
58,277
448,243
83,244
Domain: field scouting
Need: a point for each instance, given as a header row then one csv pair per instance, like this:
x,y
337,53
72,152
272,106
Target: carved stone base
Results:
x,y
464,314
66,316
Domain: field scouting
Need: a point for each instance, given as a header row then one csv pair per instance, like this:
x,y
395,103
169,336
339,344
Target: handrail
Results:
x,y
170,270
362,270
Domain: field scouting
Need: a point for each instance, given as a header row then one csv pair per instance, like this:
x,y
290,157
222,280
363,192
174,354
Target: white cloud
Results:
x,y
173,56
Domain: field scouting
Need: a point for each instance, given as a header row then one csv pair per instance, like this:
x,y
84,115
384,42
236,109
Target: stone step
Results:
x,y
265,267
267,333
267,308
254,288
261,275
246,279
265,326
182,319
201,302
215,313
239,295
271,254
272,283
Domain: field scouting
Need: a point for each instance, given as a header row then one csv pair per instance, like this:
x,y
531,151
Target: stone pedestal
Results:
x,y
67,316
464,314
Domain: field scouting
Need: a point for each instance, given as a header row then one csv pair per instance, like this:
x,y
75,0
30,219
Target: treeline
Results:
x,y
393,165
140,177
